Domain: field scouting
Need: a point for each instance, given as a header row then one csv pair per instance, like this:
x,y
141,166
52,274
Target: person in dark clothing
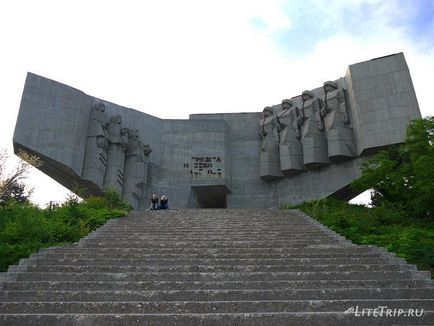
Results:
x,y
154,202
164,202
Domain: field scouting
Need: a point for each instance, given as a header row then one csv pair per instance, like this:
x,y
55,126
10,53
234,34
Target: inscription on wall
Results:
x,y
205,166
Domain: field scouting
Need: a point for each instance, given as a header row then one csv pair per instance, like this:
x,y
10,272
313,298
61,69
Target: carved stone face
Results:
x,y
100,107
329,87
133,133
286,104
306,96
267,112
98,113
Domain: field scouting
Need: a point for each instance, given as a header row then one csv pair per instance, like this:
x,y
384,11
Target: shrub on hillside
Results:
x,y
410,238
25,228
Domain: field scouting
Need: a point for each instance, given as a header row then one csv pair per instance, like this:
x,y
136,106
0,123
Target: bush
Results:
x,y
25,228
384,226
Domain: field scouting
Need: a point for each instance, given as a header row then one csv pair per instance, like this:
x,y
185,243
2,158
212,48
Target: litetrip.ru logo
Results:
x,y
384,311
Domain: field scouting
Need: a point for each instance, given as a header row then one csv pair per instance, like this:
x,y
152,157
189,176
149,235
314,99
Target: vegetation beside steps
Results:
x,y
401,179
25,228
409,238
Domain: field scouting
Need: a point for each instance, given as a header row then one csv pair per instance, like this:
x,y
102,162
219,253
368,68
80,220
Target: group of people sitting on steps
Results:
x,y
162,204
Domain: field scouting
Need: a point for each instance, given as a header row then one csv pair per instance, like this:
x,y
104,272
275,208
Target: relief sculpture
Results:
x,y
340,137
313,136
136,165
118,143
95,159
306,138
269,153
291,151
115,157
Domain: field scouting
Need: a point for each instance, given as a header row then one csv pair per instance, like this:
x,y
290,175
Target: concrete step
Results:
x,y
207,231
216,295
222,276
340,318
204,233
213,267
313,248
206,239
210,238
223,285
206,226
205,244
242,229
198,306
321,250
245,228
106,261
149,254
185,268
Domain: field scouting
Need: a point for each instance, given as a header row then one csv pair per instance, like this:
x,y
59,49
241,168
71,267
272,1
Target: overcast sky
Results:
x,y
173,58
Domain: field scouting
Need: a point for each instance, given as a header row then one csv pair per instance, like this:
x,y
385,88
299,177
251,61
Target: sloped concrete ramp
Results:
x,y
215,267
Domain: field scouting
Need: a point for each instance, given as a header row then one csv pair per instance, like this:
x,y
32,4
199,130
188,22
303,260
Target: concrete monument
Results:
x,y
311,146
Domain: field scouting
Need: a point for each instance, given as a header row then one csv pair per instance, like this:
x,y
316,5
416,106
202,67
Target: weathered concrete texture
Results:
x,y
382,101
215,267
52,123
311,146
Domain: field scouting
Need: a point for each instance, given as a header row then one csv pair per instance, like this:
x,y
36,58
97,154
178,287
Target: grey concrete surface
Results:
x,y
166,275
228,160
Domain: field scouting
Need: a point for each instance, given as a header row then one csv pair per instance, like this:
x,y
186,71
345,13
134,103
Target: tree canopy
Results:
x,y
11,180
403,175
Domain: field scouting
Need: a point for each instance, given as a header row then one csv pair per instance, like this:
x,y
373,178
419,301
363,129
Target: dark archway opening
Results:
x,y
211,196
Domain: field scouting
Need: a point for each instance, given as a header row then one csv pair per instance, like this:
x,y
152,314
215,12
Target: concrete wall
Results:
x,y
182,141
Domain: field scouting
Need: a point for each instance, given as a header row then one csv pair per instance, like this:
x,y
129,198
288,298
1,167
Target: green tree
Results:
x,y
11,179
403,175
16,191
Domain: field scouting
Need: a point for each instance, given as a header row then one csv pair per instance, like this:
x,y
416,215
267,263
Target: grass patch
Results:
x,y
25,228
409,238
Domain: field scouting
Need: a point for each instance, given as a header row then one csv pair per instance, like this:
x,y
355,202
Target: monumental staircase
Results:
x,y
215,267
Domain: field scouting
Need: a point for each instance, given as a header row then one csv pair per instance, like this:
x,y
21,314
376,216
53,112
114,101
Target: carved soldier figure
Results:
x,y
269,153
95,158
291,151
136,165
313,136
124,138
118,141
340,137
